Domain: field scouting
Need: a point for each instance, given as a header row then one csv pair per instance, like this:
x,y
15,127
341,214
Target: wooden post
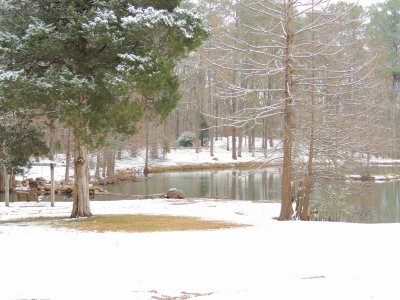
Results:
x,y
6,187
52,184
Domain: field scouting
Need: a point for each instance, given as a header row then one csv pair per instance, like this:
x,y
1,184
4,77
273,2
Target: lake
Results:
x,y
366,202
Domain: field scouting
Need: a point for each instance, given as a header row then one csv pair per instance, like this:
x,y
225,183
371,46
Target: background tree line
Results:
x,y
317,82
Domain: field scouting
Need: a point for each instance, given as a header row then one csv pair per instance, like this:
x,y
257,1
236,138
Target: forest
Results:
x,y
317,81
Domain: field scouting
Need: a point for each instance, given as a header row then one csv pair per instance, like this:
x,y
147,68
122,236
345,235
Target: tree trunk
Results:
x,y
265,135
250,141
286,190
240,137
103,163
68,157
212,141
110,160
119,153
253,144
211,105
154,144
304,201
81,206
304,211
2,178
51,140
177,125
146,161
234,150
98,165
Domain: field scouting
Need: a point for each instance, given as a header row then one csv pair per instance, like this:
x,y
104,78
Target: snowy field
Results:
x,y
268,260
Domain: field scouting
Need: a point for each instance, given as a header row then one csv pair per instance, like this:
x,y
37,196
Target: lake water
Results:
x,y
368,202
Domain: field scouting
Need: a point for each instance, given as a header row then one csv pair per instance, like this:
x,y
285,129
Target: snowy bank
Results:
x,y
179,157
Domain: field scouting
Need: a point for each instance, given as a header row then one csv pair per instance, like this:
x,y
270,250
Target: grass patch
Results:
x,y
129,223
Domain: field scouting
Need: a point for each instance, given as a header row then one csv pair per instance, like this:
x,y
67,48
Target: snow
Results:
x,y
37,28
149,17
9,75
178,156
267,260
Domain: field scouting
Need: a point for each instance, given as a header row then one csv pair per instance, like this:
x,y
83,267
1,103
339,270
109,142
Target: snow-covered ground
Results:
x,y
268,260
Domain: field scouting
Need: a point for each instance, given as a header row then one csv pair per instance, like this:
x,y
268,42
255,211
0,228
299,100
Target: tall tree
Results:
x,y
94,62
384,29
293,55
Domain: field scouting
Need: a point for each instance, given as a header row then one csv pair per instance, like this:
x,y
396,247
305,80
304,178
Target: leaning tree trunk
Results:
x,y
81,206
286,181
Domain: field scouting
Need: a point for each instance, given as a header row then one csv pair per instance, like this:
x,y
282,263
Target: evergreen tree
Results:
x,y
99,64
18,142
204,131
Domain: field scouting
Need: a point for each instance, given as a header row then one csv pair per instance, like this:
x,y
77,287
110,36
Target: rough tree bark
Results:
x,y
286,181
110,160
303,210
81,206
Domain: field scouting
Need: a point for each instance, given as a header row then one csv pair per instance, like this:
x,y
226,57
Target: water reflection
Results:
x,y
346,201
349,202
231,184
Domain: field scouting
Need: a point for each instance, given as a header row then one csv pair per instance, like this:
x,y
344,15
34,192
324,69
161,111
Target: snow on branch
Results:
x,y
186,21
37,29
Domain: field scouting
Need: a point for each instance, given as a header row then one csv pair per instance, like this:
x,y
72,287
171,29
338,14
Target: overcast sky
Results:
x,y
363,2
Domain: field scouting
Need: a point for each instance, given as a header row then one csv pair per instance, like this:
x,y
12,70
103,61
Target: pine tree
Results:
x,y
98,64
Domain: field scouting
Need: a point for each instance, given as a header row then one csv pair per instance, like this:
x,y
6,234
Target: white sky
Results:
x,y
362,2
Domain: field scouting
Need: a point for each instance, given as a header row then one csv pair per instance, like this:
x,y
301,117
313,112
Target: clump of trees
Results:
x,y
316,80
98,65
18,143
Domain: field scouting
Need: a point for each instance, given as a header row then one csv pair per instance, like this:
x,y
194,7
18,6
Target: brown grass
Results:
x,y
208,166
130,223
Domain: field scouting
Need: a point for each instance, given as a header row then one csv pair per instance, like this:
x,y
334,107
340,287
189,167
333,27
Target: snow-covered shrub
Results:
x,y
186,139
